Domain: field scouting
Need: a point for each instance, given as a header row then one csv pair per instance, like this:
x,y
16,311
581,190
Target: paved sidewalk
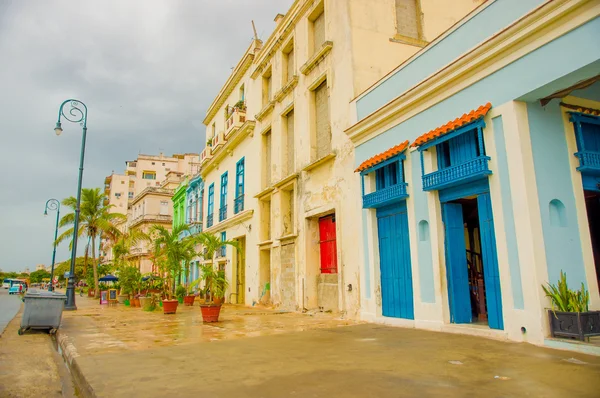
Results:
x,y
28,363
263,354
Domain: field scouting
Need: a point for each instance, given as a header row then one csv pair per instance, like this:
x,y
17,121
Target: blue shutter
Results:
x,y
489,255
456,264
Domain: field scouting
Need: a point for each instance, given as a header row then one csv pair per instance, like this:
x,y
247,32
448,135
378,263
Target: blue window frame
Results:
x,y
461,157
239,186
587,135
223,248
211,205
201,199
223,199
389,183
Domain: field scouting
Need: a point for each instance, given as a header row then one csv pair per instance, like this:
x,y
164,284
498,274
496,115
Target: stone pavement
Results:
x,y
123,352
29,364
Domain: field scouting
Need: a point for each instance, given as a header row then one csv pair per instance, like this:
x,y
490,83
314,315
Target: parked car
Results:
x,y
17,287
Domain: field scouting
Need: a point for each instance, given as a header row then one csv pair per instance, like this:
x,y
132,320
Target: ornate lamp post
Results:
x,y
76,113
53,204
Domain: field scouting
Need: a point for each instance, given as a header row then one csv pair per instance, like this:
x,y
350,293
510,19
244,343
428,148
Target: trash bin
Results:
x,y
43,310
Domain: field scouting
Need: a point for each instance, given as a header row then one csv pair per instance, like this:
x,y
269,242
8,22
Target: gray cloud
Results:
x,y
147,70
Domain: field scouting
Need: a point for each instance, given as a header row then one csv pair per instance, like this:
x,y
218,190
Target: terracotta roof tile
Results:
x,y
453,125
581,109
383,156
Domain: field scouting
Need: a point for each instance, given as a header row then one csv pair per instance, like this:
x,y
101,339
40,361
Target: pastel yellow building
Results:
x,y
294,93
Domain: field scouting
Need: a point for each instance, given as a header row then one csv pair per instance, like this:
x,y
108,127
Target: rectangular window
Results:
x,y
164,208
267,86
265,220
130,195
149,175
318,27
223,252
386,176
117,194
289,139
328,245
408,18
239,186
322,125
288,59
242,93
211,205
267,157
201,204
459,149
223,199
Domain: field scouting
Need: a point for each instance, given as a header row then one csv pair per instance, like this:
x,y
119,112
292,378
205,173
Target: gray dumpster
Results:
x,y
43,310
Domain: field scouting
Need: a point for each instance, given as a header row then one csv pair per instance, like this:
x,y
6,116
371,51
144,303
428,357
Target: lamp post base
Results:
x,y
70,304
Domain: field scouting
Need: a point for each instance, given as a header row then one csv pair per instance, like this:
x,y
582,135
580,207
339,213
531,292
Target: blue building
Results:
x,y
480,164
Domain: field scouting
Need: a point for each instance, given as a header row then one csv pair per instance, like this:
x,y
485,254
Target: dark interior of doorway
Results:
x,y
592,202
474,259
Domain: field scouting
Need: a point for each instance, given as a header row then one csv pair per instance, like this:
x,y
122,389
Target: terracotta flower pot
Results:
x,y
218,300
170,306
136,302
189,300
210,312
91,293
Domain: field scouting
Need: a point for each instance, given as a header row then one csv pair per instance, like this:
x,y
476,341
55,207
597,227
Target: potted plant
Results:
x,y
570,316
180,293
240,105
128,279
170,253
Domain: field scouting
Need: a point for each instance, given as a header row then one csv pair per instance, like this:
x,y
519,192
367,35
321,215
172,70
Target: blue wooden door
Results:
x,y
491,275
394,258
456,264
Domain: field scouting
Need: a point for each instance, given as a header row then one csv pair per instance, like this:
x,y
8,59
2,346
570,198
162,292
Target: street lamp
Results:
x,y
53,204
76,113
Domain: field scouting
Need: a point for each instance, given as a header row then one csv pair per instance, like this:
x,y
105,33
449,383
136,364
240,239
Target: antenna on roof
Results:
x,y
254,29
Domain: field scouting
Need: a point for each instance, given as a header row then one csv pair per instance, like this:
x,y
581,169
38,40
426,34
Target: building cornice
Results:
x,y
223,225
537,28
152,191
232,142
237,75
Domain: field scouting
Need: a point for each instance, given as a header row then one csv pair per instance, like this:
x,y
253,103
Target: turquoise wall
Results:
x,y
509,218
491,20
366,263
419,198
553,179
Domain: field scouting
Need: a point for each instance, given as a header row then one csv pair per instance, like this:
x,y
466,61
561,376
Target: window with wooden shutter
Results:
x,y
290,67
267,157
323,128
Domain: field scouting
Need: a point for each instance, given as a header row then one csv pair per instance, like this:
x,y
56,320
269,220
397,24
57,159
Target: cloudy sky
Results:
x,y
146,69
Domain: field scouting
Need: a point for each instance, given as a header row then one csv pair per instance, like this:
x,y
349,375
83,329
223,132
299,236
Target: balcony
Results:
x,y
223,213
472,170
385,196
589,162
218,141
163,218
221,252
196,228
238,204
235,121
206,154
209,220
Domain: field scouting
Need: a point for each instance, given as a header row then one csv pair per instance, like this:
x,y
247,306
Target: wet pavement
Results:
x,y
260,353
9,305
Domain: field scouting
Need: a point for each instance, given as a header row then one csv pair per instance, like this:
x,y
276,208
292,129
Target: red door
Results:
x,y
328,245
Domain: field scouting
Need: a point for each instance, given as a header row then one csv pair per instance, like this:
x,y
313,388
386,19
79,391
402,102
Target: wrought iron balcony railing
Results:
x,y
471,170
238,204
385,196
223,213
209,220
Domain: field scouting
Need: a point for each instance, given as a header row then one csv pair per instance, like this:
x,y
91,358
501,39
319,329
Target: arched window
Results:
x,y
558,214
423,231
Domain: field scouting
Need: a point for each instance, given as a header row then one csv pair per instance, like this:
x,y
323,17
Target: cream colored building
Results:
x,y
147,171
302,236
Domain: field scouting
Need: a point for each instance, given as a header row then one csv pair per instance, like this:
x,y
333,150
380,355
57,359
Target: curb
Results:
x,y
69,353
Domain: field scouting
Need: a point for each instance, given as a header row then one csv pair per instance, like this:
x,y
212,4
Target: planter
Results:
x,y
210,312
146,303
122,297
170,306
180,300
135,302
189,300
127,303
91,292
578,325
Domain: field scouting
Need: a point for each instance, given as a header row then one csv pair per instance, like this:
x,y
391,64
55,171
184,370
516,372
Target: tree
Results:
x,y
123,244
95,219
212,244
171,253
37,276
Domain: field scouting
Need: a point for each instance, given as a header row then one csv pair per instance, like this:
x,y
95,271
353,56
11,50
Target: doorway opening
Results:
x,y
240,272
472,263
592,204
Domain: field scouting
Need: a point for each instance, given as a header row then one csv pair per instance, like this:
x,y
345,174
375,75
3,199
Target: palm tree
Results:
x,y
94,220
171,252
212,246
124,242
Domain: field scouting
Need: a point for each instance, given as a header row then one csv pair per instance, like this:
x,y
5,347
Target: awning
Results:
x,y
453,125
382,157
581,109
